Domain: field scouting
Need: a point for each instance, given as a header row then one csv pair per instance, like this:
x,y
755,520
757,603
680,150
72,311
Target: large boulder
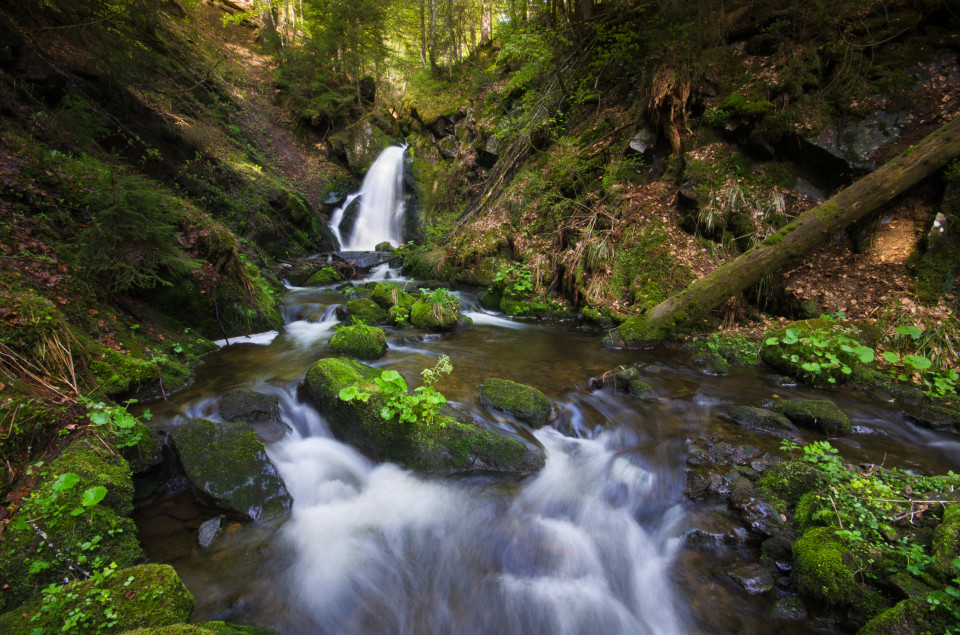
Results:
x,y
388,295
145,596
360,341
360,144
227,466
524,402
365,309
445,445
23,567
824,569
817,414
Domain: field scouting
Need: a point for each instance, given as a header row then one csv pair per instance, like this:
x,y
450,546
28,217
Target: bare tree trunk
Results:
x,y
423,32
433,35
486,18
797,238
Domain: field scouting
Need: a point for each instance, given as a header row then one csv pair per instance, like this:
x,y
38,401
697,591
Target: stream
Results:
x,y
595,542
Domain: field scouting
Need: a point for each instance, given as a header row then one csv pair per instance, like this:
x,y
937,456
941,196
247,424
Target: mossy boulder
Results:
x,y
326,275
824,568
799,343
491,298
367,310
908,617
144,596
227,465
945,546
389,295
27,562
941,418
445,445
436,315
628,380
398,316
762,420
784,484
819,414
526,403
360,341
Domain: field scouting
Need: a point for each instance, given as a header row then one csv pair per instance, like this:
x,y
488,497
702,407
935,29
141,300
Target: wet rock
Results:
x,y
441,314
762,420
358,145
349,218
243,404
389,295
360,341
939,418
367,260
628,380
717,531
754,578
326,275
210,531
779,548
227,465
819,414
789,608
446,444
526,403
363,309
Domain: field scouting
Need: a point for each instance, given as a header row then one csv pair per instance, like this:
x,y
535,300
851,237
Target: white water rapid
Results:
x,y
380,218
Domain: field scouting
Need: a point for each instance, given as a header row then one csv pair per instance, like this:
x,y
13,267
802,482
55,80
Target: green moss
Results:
x,y
145,596
773,239
827,211
388,295
645,270
367,310
327,275
815,413
398,316
824,568
785,483
226,464
524,402
446,445
907,617
27,563
360,341
945,545
435,316
491,299
203,628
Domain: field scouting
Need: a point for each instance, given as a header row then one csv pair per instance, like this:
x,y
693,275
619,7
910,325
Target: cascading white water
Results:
x,y
380,218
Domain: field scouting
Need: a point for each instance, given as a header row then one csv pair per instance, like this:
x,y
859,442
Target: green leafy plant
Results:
x,y
823,349
119,424
515,280
423,405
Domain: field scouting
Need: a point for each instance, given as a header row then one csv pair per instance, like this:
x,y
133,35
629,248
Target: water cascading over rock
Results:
x,y
375,214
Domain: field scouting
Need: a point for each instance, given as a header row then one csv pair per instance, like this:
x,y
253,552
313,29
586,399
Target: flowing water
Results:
x,y
380,218
593,543
599,541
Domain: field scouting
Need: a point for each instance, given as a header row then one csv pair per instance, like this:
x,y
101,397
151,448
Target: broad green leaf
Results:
x,y
917,361
891,357
99,418
66,481
865,353
772,341
93,495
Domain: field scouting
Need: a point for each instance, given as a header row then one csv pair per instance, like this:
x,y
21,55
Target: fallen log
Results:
x,y
793,240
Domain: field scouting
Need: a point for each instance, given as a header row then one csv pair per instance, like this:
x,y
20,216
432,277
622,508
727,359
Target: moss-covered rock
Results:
x,y
819,414
360,341
145,596
27,562
436,315
761,419
824,567
906,618
785,483
326,275
367,310
524,402
445,445
227,465
398,316
491,298
628,380
945,545
942,418
260,410
388,295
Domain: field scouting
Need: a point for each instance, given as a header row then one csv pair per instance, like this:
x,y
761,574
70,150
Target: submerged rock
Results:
x,y
818,414
227,464
753,577
210,531
445,444
524,402
789,608
762,420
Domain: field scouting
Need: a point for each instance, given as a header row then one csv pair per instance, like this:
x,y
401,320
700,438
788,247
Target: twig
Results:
x,y
836,511
73,566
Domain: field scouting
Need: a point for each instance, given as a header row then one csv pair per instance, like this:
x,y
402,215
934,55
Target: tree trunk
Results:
x,y
796,238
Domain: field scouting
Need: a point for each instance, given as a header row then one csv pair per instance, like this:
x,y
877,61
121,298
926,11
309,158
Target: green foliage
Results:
x,y
422,406
129,239
441,297
516,281
116,421
923,356
821,350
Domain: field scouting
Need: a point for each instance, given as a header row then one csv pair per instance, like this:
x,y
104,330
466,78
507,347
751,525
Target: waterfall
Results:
x,y
380,217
